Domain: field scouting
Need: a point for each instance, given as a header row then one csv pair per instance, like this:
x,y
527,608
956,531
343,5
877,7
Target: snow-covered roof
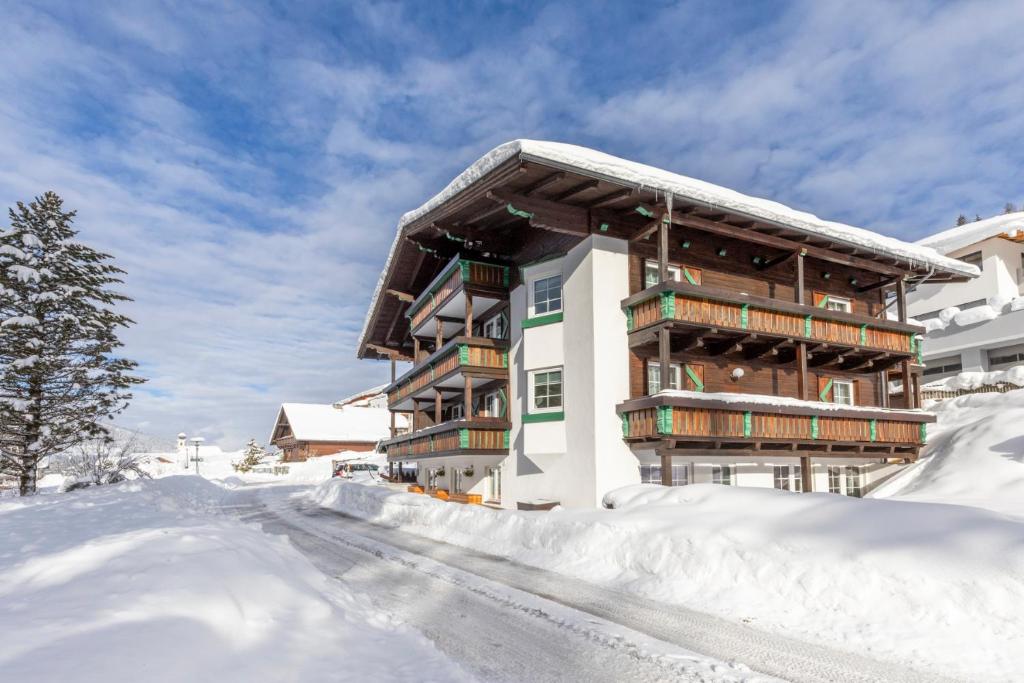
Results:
x,y
324,422
971,233
366,393
614,169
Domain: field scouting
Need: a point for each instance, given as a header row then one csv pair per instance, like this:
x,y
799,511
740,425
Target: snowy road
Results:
x,y
507,622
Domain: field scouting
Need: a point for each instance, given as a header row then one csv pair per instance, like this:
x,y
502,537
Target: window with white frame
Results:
x,y
651,474
835,479
493,484
838,303
787,477
654,376
854,482
842,392
546,295
546,390
652,276
496,327
456,412
491,404
722,474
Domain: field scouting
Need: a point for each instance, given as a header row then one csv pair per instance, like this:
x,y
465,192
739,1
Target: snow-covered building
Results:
x,y
578,322
975,326
304,430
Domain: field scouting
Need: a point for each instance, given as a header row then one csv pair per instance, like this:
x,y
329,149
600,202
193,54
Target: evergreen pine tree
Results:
x,y
1010,207
59,380
961,220
253,456
977,217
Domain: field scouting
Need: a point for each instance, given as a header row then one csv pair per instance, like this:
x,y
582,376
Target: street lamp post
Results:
x,y
196,441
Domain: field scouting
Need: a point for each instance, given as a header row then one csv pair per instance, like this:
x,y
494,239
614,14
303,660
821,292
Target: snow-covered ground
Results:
x,y
975,454
145,581
937,587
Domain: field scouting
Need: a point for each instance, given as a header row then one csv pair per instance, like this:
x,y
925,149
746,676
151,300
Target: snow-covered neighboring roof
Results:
x,y
971,233
776,401
617,170
365,394
324,422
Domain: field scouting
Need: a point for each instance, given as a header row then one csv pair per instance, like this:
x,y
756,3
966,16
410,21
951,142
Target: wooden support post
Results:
x,y
806,474
467,396
469,315
666,469
663,240
665,357
908,384
801,347
438,398
439,335
901,300
415,351
393,427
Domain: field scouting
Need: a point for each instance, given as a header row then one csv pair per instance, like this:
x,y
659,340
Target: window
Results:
x,y
974,258
652,276
491,404
722,474
493,484
547,295
456,412
842,392
835,484
456,480
654,376
853,482
546,387
838,303
947,365
1006,355
651,474
496,327
787,478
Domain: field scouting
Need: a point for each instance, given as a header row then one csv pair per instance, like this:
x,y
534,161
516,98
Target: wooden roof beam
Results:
x,y
610,198
543,213
401,296
542,183
574,190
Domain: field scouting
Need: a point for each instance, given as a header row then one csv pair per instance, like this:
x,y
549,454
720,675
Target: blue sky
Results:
x,y
247,162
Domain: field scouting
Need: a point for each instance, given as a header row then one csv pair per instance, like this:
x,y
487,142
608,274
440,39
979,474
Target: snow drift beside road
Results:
x,y
140,582
975,455
937,587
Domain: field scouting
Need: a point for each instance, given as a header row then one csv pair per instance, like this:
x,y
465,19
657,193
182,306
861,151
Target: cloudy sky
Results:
x,y
246,163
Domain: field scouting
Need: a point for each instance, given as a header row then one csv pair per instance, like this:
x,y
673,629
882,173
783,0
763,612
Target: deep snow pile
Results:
x,y
975,380
975,455
937,587
142,582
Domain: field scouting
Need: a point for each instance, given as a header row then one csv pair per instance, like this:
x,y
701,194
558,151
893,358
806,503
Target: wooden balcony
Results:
x,y
479,436
478,359
444,297
714,322
710,426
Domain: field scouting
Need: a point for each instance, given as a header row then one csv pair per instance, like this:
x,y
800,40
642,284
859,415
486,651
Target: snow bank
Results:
x,y
937,587
136,582
975,454
975,380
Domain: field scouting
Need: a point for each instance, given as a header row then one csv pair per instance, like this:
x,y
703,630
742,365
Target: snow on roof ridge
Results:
x,y
325,422
760,399
616,169
967,234
372,391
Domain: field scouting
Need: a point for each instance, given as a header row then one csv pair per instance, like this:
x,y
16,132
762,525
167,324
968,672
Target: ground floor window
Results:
x,y
494,484
651,474
788,477
848,480
854,482
722,474
456,480
834,479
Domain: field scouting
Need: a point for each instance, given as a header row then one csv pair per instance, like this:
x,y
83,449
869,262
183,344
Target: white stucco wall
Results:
x,y
1000,260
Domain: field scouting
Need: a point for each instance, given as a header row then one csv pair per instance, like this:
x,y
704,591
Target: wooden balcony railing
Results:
x,y
458,274
678,417
459,354
483,436
677,301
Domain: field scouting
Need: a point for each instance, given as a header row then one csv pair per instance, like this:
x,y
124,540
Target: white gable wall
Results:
x,y
1000,260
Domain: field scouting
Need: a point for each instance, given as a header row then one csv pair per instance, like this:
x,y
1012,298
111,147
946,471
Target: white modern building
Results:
x,y
546,293
975,326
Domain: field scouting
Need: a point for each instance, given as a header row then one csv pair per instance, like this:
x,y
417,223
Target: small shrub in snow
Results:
x,y
102,461
253,456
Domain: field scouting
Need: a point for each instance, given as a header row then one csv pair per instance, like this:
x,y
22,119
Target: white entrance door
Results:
x,y
494,484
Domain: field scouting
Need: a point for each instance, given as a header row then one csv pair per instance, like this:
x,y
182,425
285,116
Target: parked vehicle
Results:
x,y
345,470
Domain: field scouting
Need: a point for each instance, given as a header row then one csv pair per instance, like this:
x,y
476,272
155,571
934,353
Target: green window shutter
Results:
x,y
504,402
913,342
823,396
814,426
689,278
823,302
516,212
664,419
807,326
747,424
463,438
874,430
744,315
629,318
625,425
863,335
697,384
463,354
668,305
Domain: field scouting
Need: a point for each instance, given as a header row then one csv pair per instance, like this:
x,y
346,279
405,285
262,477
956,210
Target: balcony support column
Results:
x,y
906,378
801,347
806,474
467,396
666,220
469,315
438,397
415,352
439,334
665,357
391,465
666,469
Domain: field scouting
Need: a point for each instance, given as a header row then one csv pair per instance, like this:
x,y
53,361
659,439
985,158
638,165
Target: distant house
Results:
x,y
978,325
305,430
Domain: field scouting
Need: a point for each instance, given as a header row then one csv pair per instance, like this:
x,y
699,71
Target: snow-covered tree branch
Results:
x,y
103,460
60,382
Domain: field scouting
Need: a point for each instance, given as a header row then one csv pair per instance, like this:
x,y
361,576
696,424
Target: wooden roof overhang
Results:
x,y
499,217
